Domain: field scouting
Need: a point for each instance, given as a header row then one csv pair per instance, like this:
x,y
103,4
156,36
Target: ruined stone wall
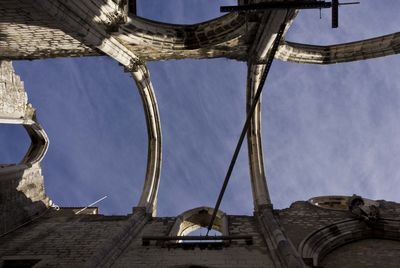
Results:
x,y
61,239
22,196
13,99
337,238
237,254
302,218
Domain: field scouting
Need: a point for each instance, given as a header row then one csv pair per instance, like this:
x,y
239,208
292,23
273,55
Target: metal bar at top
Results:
x,y
277,5
285,5
248,119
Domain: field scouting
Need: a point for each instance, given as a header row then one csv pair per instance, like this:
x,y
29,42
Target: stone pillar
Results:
x,y
283,252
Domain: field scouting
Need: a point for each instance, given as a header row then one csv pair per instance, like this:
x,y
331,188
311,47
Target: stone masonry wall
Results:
x,y
13,98
63,239
28,33
22,197
237,254
60,238
22,194
302,218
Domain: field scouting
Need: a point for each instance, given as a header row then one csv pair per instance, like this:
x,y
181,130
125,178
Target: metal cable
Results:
x,y
247,123
25,223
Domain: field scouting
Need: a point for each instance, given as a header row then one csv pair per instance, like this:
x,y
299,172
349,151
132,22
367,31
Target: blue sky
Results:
x,y
326,129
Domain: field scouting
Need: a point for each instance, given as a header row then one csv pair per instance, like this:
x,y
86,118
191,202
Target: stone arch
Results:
x,y
157,34
148,198
36,151
193,219
39,144
316,246
359,50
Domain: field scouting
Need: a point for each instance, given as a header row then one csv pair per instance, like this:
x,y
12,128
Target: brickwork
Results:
x,y
228,36
237,254
29,33
322,235
389,210
61,240
64,239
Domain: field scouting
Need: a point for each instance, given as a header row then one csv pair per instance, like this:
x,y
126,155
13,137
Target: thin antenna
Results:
x,y
335,13
90,205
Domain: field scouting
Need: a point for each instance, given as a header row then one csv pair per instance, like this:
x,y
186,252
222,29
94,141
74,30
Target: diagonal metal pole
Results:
x,y
91,205
247,123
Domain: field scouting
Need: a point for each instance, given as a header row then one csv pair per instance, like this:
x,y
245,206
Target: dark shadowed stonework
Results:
x,y
365,253
61,238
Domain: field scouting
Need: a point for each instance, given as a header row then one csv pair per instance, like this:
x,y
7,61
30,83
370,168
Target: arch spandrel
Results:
x,y
225,36
141,31
317,245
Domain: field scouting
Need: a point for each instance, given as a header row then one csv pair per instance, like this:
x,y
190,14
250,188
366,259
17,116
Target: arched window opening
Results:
x,y
202,232
14,144
96,126
189,227
195,222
